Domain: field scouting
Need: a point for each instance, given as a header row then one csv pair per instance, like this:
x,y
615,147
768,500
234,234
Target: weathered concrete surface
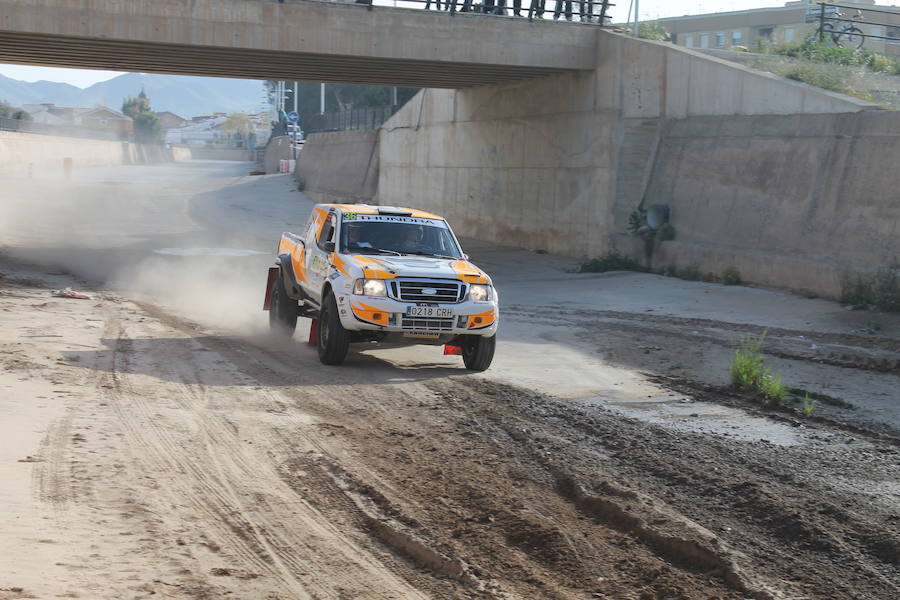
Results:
x,y
222,154
340,166
277,149
294,40
791,201
549,163
27,153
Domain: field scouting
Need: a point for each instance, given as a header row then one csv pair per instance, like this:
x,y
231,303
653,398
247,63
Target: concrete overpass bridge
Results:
x,y
292,40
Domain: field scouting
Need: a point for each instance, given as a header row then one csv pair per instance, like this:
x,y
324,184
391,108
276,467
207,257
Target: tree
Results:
x,y
5,110
132,106
338,97
147,128
651,30
237,123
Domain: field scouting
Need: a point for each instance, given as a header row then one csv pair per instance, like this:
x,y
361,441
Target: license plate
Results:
x,y
428,311
422,334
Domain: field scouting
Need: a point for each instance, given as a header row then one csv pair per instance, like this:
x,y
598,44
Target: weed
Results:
x,y
747,364
730,276
301,184
666,233
880,290
748,372
809,406
874,326
771,388
611,261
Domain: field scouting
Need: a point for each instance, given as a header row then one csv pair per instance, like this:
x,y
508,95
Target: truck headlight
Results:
x,y
369,287
480,293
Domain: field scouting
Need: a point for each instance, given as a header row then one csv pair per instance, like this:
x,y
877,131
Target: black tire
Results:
x,y
333,340
855,37
283,310
478,352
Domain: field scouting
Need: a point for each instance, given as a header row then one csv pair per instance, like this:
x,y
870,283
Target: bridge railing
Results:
x,y
59,130
584,11
360,118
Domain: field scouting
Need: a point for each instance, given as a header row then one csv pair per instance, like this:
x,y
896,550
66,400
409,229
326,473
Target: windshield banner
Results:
x,y
394,219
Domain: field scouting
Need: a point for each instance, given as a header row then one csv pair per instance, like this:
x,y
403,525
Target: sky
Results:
x,y
649,9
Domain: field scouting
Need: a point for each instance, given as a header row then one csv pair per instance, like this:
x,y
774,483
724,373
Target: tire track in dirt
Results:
x,y
272,529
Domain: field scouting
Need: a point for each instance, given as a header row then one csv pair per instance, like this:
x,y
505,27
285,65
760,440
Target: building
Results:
x,y
99,118
170,120
793,22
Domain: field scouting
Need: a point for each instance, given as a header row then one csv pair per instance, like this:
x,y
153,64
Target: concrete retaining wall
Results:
x,y
278,149
547,163
222,154
340,166
791,201
21,153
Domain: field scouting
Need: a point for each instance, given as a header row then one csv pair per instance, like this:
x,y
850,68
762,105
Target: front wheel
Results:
x,y
332,340
478,352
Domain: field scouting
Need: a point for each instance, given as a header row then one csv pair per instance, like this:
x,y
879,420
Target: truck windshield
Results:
x,y
376,237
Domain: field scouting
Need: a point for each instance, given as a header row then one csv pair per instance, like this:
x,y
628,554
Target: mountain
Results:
x,y
182,95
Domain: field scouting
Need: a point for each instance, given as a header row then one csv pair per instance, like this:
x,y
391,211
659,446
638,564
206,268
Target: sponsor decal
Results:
x,y
334,276
399,219
425,304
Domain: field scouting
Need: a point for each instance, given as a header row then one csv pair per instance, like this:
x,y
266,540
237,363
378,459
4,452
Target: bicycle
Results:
x,y
855,38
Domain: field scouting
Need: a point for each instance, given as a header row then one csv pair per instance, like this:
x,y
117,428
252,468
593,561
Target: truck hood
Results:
x,y
388,267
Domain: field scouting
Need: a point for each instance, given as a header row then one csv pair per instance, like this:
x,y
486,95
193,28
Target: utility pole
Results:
x,y
637,4
322,99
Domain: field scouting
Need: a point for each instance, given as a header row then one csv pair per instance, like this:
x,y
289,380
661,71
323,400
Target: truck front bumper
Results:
x,y
418,320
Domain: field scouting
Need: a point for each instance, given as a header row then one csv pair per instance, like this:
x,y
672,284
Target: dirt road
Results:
x,y
161,445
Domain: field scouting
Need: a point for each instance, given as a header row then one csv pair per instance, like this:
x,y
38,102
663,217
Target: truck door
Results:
x,y
317,269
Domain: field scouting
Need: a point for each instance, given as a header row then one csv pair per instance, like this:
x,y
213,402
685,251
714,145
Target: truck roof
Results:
x,y
368,209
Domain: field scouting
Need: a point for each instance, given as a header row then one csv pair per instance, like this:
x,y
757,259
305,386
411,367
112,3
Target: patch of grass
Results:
x,y
611,261
880,290
820,397
819,76
749,372
730,276
809,406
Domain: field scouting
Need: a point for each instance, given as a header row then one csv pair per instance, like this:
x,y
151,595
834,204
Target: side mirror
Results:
x,y
328,247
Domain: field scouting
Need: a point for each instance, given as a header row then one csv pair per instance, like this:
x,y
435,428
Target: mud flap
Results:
x,y
313,333
452,350
270,285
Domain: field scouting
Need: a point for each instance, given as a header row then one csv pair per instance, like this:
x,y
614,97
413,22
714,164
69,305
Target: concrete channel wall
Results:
x,y
29,153
554,163
794,201
340,166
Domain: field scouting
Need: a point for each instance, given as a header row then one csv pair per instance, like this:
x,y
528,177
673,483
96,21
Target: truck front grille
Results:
x,y
439,290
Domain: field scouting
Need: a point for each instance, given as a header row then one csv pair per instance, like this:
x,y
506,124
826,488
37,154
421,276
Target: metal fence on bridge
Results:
x,y
358,118
59,130
584,11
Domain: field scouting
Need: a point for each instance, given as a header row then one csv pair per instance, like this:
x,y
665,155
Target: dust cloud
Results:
x,y
140,239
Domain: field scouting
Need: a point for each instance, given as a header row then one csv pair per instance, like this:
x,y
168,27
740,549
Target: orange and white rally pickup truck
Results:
x,y
386,275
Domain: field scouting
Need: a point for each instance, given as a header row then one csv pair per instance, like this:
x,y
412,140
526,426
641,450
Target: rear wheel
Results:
x,y
478,352
333,341
283,310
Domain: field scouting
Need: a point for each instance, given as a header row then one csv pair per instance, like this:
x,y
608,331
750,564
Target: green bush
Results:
x,y
880,290
730,276
611,261
817,75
